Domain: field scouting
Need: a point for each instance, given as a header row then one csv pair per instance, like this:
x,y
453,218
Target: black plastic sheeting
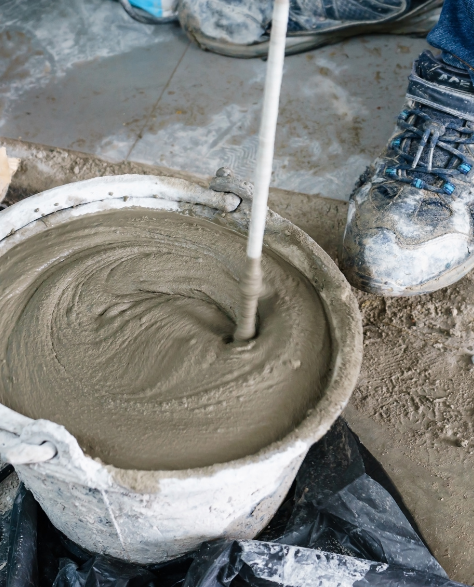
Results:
x,y
342,524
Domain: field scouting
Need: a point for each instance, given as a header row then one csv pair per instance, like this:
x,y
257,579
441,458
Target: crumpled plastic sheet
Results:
x,y
342,524
262,564
21,569
5,517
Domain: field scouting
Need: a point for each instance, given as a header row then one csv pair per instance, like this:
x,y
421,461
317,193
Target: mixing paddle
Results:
x,y
251,281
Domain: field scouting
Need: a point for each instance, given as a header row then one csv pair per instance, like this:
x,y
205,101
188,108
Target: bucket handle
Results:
x,y
15,451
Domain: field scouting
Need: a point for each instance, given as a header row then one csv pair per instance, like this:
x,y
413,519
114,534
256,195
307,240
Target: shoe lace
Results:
x,y
431,133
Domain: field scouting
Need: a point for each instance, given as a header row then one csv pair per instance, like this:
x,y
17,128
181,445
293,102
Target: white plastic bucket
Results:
x,y
154,516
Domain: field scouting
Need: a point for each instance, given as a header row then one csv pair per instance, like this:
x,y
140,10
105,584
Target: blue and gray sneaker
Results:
x,y
410,226
151,11
241,28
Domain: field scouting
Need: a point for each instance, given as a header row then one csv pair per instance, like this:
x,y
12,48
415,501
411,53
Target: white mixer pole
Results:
x,y
251,281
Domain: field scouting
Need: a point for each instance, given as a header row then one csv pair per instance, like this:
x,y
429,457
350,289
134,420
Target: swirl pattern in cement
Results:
x,y
119,327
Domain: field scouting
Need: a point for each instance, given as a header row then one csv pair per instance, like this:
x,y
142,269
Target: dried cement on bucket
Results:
x,y
118,326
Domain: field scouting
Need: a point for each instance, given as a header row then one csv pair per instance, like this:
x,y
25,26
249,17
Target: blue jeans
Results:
x,y
454,32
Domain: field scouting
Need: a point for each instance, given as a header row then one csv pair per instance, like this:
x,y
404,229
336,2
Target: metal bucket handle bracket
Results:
x,y
225,181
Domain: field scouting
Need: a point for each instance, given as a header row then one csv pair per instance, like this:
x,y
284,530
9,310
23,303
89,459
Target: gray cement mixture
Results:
x,y
119,326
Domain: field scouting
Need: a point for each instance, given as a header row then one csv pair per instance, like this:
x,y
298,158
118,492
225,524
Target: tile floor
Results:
x,y
82,75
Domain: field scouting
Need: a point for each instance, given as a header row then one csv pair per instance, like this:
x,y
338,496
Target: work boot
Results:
x,y
241,28
411,218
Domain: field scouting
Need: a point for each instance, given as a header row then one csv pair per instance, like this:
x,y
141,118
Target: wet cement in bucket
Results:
x,y
119,327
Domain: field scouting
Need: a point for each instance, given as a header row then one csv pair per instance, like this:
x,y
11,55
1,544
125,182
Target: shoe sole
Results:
x,y
418,22
370,285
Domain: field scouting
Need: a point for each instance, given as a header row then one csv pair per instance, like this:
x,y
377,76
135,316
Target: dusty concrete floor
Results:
x,y
414,402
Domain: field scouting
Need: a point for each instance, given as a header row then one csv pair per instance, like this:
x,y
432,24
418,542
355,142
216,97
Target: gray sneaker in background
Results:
x,y
410,226
241,28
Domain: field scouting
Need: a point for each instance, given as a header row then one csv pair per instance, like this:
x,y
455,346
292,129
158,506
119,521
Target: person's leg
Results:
x,y
454,32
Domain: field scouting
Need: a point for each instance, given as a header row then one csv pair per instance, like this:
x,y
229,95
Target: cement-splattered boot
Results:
x,y
410,226
241,28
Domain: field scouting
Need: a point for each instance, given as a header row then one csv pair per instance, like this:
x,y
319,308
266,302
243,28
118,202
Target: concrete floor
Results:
x,y
81,75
